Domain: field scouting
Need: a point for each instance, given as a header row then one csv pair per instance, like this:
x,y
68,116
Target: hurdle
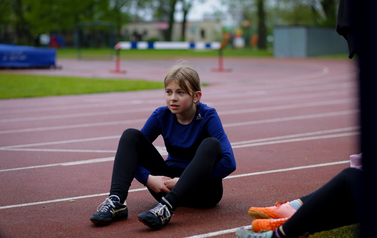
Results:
x,y
162,45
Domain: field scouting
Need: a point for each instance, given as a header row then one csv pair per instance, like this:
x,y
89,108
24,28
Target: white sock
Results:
x,y
295,204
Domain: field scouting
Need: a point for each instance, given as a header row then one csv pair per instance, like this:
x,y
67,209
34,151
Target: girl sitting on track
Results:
x,y
199,155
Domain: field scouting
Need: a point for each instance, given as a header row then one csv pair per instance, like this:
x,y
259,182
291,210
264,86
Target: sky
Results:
x,y
198,9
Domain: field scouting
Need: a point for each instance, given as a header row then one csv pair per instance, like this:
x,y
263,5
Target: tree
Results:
x,y
20,23
165,10
244,11
186,6
329,9
169,34
308,12
117,13
262,31
5,6
30,18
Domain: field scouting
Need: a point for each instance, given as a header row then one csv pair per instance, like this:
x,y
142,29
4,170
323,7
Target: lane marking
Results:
x,y
293,118
235,145
297,140
282,119
61,142
161,150
288,169
66,199
144,189
73,126
251,101
289,106
344,129
217,233
332,85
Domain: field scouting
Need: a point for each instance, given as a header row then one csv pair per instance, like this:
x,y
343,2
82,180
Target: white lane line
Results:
x,y
297,140
289,106
235,145
90,161
143,189
313,133
61,142
282,119
112,103
59,150
288,169
65,199
253,101
112,123
277,98
217,233
293,118
54,117
32,108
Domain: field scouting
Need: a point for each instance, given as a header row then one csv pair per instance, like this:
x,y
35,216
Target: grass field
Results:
x,y
23,86
108,54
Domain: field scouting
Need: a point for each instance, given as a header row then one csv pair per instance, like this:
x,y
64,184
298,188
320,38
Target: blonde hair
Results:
x,y
184,75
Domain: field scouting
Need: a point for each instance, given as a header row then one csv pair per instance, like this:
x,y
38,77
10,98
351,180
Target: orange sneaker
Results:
x,y
267,224
280,210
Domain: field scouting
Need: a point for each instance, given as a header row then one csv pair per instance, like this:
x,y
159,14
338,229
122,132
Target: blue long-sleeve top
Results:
x,y
182,141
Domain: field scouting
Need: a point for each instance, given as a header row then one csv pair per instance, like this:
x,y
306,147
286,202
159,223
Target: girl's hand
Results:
x,y
157,183
171,183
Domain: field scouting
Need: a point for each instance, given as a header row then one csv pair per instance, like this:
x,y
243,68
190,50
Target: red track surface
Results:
x,y
288,121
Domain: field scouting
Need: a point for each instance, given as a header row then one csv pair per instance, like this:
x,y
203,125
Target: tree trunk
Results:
x,y
22,32
262,31
171,20
184,21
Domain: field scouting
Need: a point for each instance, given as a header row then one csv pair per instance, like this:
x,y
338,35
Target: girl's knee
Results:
x,y
211,141
130,134
349,175
212,144
351,172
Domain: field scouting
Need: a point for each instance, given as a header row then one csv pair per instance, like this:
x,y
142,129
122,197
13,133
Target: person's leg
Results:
x,y
196,178
190,182
134,149
335,204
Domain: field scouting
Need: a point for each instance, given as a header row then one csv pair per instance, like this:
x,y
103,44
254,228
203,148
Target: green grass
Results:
x,y
351,231
24,86
107,54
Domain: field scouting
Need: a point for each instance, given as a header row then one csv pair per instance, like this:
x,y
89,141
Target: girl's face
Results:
x,y
180,102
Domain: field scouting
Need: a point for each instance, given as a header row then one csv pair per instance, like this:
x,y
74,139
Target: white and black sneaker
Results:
x,y
157,217
111,209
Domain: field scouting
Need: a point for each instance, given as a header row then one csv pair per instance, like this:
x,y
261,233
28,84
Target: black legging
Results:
x,y
338,203
195,188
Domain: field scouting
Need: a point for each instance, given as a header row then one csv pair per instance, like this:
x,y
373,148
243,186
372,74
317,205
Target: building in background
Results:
x,y
200,31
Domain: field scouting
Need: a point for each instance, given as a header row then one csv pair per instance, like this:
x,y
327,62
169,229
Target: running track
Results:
x,y
292,124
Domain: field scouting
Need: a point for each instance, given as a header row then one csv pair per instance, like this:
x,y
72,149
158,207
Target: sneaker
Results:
x,y
280,210
111,209
243,233
267,224
157,217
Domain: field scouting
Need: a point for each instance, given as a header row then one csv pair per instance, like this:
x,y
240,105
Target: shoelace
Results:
x,y
278,204
106,205
161,210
